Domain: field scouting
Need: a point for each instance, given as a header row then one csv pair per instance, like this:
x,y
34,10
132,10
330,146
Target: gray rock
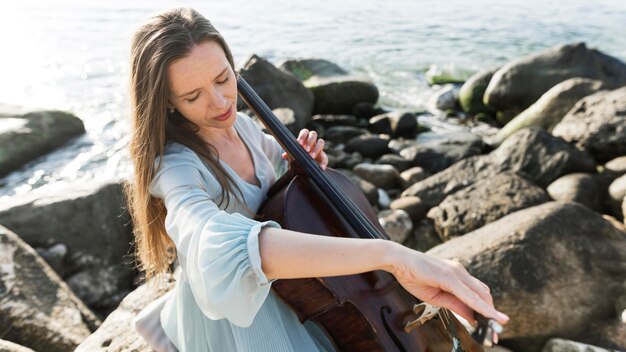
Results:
x,y
424,237
597,124
304,69
617,192
400,163
624,210
365,110
342,134
616,166
439,154
25,137
444,98
397,123
91,221
8,346
37,309
578,187
288,118
536,255
483,202
116,334
519,83
383,176
412,176
561,345
54,256
472,92
383,199
553,105
279,89
412,206
335,120
339,94
368,189
396,223
370,146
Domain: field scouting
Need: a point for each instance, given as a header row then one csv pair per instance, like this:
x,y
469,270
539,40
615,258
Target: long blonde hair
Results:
x,y
164,38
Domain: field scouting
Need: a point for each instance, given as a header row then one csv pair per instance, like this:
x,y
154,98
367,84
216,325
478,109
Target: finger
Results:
x,y
324,162
284,156
475,301
480,288
319,146
311,141
303,136
449,301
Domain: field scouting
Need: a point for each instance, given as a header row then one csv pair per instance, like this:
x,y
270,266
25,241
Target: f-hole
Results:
x,y
384,312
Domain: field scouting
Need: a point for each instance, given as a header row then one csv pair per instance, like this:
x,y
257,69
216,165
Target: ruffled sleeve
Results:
x,y
218,251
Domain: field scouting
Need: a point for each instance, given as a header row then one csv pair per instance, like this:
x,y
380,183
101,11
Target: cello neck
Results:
x,y
345,208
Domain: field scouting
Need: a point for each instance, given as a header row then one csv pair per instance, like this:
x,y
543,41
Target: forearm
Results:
x,y
288,255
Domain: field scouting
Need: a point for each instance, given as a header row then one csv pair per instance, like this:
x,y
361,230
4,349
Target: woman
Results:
x,y
202,170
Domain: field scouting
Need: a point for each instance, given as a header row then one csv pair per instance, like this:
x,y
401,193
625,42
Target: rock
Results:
x,y
339,94
365,110
609,334
616,166
617,193
578,187
383,176
91,221
472,91
530,259
561,345
400,163
116,334
439,154
349,161
8,346
424,236
369,146
304,69
368,189
383,198
396,224
483,202
342,134
397,123
444,98
411,176
597,124
519,83
288,118
548,111
412,206
279,89
25,137
54,256
540,157
335,120
624,210
446,74
37,309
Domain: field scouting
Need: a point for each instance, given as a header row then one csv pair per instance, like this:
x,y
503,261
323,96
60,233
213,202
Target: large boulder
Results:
x,y
597,124
23,137
531,153
91,222
339,94
304,69
384,176
8,346
370,146
553,105
553,268
279,89
609,334
562,345
519,83
116,334
472,92
37,309
397,123
485,201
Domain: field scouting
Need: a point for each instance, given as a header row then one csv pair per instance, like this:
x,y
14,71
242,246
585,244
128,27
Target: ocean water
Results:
x,y
73,55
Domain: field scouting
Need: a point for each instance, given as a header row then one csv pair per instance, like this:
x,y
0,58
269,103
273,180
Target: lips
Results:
x,y
225,115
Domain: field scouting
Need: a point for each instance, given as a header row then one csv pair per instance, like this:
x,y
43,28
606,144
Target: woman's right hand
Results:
x,y
444,283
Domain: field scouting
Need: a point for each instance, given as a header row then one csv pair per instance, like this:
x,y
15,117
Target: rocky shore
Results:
x,y
534,207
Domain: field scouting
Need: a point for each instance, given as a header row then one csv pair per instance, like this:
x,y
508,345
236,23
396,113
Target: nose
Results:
x,y
218,100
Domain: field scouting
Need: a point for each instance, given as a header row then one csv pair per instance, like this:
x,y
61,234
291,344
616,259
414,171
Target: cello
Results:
x,y
363,312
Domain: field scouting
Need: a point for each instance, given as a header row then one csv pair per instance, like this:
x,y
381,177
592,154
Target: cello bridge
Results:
x,y
425,312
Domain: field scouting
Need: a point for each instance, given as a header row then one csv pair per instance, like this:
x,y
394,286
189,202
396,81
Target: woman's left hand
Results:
x,y
315,147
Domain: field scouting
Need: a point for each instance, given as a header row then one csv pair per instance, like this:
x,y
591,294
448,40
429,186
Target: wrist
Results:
x,y
388,254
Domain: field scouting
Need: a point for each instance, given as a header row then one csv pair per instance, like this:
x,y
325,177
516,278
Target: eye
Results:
x,y
191,100
224,80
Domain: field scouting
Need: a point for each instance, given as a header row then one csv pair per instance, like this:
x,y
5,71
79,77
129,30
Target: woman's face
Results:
x,y
204,87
